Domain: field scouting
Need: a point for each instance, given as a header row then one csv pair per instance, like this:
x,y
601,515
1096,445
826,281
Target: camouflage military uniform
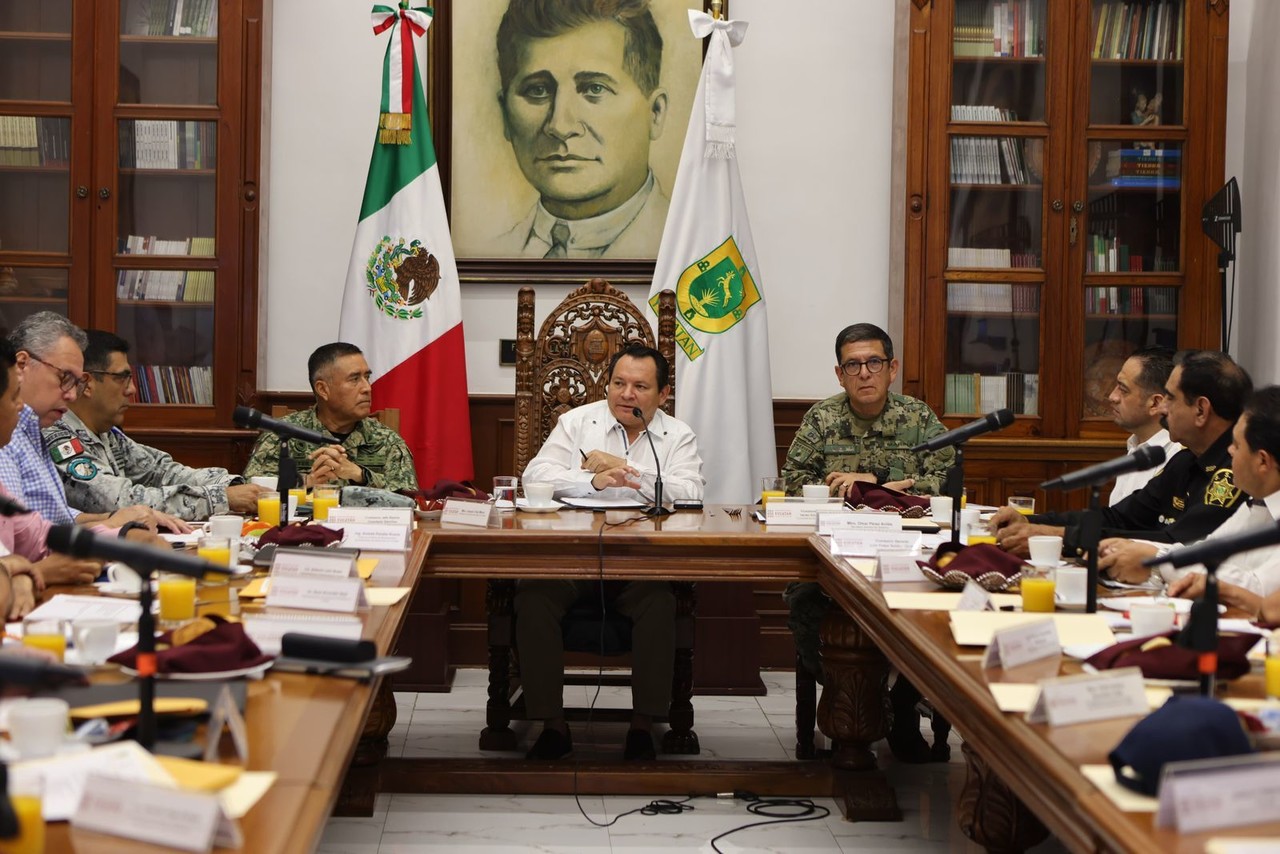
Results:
x,y
377,449
103,472
829,440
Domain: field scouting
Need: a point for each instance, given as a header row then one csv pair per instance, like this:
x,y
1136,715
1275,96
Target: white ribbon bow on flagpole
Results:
x,y
396,119
718,67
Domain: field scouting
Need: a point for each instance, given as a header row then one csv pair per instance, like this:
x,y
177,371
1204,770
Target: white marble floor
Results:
x,y
728,728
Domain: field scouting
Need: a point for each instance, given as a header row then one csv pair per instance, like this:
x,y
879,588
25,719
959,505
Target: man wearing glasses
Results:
x,y
104,470
863,435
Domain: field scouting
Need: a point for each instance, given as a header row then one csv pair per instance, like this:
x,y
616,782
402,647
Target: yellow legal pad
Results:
x,y
199,776
124,708
258,587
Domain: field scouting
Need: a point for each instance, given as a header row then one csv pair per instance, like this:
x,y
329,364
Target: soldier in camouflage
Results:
x,y
864,434
104,470
365,452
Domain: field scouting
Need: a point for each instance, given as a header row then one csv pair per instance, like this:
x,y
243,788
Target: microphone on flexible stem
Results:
x,y
657,509
11,507
1140,460
988,423
255,420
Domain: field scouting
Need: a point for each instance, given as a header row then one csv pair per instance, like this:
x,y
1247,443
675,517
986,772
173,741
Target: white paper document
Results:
x,y
976,628
64,606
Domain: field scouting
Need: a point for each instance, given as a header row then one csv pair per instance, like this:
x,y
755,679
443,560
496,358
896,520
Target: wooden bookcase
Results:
x,y
1047,236
129,140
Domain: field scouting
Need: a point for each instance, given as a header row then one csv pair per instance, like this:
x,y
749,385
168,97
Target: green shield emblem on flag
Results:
x,y
716,291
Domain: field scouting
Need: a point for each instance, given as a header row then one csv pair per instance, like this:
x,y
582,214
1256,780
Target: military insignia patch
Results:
x,y
399,277
64,451
1179,503
713,294
83,469
1221,491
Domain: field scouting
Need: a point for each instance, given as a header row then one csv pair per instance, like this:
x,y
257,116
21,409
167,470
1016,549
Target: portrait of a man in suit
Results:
x,y
590,132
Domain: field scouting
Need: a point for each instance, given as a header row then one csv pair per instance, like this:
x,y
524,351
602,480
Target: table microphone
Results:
x,y
77,541
992,421
1148,456
657,509
255,420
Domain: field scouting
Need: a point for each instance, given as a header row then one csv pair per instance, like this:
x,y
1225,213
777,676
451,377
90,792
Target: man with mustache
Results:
x,y
1137,401
580,106
364,453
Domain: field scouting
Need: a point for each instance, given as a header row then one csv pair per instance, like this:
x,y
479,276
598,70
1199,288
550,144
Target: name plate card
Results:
x,y
1090,697
313,563
378,538
872,543
341,595
830,522
1206,794
790,512
1022,643
396,517
975,598
463,511
895,568
188,821
226,715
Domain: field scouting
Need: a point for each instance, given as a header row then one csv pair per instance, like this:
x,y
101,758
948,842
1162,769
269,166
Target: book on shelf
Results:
x,y
163,144
967,394
1006,28
988,160
993,297
1130,300
189,384
170,18
1160,182
1138,29
34,141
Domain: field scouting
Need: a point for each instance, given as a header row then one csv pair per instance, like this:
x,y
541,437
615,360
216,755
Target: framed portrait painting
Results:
x,y
558,127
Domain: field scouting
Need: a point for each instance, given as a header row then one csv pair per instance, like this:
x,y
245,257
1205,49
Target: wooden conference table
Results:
x,y
304,728
860,641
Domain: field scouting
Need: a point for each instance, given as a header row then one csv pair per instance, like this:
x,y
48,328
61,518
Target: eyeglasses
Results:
x,y
67,380
123,377
853,367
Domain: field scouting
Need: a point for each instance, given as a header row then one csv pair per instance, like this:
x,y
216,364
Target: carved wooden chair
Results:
x,y
564,367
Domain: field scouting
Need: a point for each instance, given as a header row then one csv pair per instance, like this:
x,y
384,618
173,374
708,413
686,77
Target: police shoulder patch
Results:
x,y
1222,490
66,449
82,468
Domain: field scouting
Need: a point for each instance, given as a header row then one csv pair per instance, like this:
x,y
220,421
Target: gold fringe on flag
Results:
x,y
394,128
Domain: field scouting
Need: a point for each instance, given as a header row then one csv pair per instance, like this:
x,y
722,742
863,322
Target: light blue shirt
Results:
x,y
28,472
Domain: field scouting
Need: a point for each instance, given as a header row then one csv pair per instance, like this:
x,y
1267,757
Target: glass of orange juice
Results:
x,y
297,496
49,635
177,598
1273,665
269,507
323,498
27,794
770,488
1024,504
1037,588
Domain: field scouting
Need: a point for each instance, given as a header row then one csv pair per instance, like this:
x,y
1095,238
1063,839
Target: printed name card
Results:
x,y
894,568
226,715
1206,794
975,597
1022,643
341,595
831,522
188,821
790,511
871,543
1090,697
396,517
313,563
465,511
379,538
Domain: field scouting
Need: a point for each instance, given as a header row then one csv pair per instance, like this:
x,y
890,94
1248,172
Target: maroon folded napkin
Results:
x,y
451,489
300,535
882,498
226,647
1170,661
984,563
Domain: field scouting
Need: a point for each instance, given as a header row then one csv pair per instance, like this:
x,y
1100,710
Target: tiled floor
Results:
x,y
728,727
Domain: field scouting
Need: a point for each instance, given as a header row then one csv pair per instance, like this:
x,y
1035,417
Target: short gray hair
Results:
x,y
40,332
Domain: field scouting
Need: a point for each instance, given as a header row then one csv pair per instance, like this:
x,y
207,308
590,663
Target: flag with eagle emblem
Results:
x,y
402,304
708,258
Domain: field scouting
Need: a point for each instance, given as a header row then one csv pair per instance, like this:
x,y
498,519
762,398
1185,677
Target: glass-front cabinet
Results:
x,y
1054,193
123,202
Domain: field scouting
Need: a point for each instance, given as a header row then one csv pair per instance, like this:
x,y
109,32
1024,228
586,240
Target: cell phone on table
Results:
x,y
686,504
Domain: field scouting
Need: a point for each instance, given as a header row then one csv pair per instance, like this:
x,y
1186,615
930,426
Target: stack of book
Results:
x,y
969,256
975,393
1145,167
171,18
1131,300
170,285
174,384
1005,28
993,298
988,160
1145,29
152,144
34,141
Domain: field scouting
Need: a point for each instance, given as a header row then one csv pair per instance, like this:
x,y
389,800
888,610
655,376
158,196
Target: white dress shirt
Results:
x,y
1130,482
592,427
1257,571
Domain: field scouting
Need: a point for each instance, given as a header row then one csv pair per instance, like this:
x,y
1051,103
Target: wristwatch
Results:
x,y
129,526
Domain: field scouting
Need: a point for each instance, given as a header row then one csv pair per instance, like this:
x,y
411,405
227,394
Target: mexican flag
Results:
x,y
402,304
708,258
